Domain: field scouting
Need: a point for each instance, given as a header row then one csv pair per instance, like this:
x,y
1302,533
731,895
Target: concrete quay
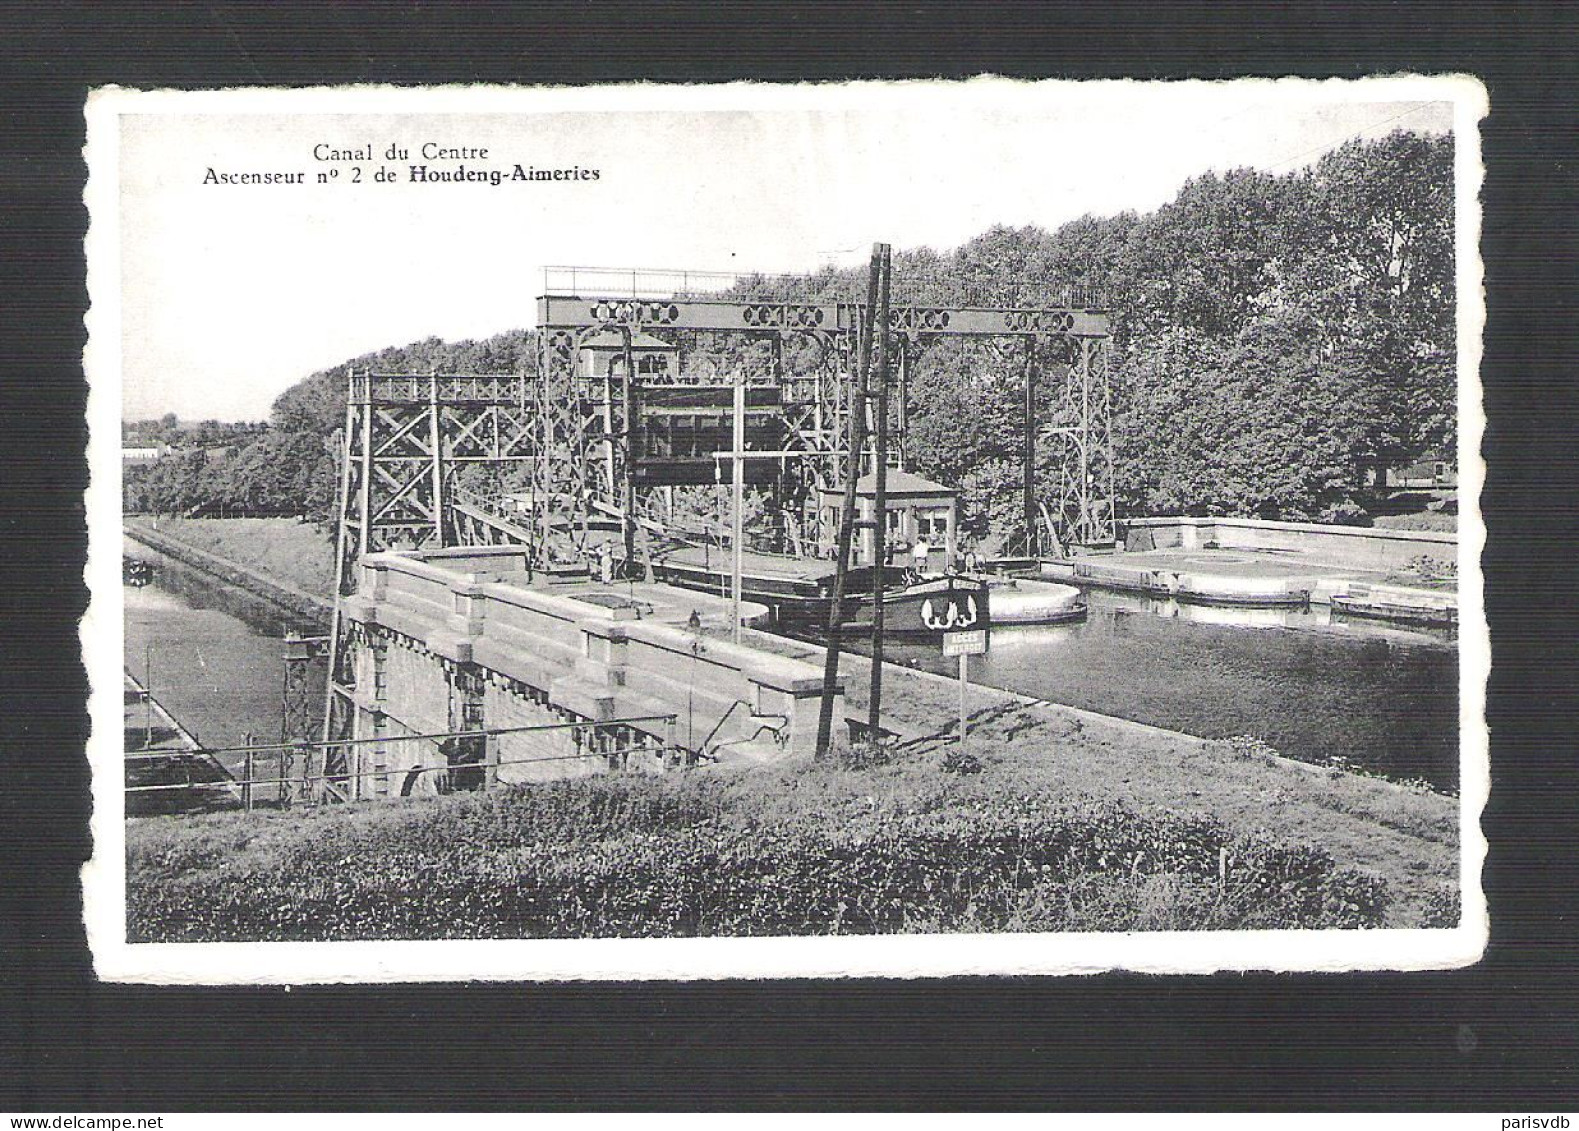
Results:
x,y
1250,562
161,753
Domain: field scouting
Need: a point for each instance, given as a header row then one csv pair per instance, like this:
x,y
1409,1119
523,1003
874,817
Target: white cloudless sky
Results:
x,y
232,293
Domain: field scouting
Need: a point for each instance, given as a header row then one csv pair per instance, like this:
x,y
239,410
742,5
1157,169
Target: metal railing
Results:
x,y
913,288
286,752
775,724
319,779
636,282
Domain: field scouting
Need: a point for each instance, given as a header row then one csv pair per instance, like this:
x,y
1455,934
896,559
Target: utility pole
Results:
x,y
902,409
246,779
148,695
852,472
879,332
1031,541
627,518
738,482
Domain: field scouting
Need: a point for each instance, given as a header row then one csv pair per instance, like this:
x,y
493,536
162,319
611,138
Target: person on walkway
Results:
x,y
606,562
920,554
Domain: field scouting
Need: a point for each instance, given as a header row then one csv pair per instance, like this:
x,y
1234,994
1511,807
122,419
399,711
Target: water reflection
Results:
x,y
198,590
1310,684
1307,617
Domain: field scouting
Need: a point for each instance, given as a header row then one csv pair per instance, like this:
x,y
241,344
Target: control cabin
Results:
x,y
682,419
918,509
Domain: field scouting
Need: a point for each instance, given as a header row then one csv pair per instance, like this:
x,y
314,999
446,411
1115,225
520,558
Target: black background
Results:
x,y
1501,1036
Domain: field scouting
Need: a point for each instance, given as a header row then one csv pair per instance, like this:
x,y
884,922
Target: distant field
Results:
x,y
297,553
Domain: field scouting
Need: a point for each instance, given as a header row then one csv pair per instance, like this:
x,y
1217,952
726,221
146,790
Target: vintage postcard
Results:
x,y
900,529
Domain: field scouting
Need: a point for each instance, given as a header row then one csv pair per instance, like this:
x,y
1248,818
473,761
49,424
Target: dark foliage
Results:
x,y
957,761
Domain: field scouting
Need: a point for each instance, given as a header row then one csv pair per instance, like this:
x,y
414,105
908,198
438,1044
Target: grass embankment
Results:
x,y
1068,825
296,553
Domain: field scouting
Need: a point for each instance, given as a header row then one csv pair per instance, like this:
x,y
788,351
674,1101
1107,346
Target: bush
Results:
x,y
627,857
1444,908
958,761
1344,513
1431,568
1248,747
1444,520
862,754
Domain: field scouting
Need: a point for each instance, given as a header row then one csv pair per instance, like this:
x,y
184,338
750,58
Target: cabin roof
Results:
x,y
640,340
899,483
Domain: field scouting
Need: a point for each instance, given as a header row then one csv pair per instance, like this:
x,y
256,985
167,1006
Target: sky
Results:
x,y
230,293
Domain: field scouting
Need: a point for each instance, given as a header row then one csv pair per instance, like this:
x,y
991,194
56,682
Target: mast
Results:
x,y
879,331
852,472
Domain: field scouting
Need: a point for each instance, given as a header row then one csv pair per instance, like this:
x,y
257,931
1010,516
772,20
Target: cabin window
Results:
x,y
932,524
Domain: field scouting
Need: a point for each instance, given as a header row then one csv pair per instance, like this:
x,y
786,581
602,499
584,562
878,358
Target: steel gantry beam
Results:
x,y
718,315
1076,506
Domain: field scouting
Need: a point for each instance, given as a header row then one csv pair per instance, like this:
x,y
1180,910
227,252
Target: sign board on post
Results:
x,y
964,645
955,609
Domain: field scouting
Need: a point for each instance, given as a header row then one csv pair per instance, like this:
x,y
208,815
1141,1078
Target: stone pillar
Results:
x,y
799,701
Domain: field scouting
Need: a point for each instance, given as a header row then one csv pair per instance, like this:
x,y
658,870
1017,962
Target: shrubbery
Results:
x,y
698,856
1444,908
958,761
1442,521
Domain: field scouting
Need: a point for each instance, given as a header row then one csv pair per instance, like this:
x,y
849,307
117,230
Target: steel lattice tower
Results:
x,y
408,445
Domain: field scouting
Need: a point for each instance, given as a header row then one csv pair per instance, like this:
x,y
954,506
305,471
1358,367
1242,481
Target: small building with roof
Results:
x,y
603,356
917,510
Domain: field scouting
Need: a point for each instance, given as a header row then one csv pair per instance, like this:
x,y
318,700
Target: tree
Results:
x,y
1375,265
317,403
1207,259
1278,337
172,484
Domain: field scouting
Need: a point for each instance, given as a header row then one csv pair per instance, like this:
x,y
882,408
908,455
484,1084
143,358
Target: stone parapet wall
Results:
x,y
1364,546
547,657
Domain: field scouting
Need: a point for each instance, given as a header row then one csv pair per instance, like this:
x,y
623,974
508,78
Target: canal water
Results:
x,y
1311,685
211,653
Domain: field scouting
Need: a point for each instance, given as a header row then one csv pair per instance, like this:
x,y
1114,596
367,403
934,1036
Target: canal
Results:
x,y
213,654
1313,686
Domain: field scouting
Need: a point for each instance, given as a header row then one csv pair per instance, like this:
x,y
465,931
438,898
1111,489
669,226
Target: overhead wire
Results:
x,y
1328,145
